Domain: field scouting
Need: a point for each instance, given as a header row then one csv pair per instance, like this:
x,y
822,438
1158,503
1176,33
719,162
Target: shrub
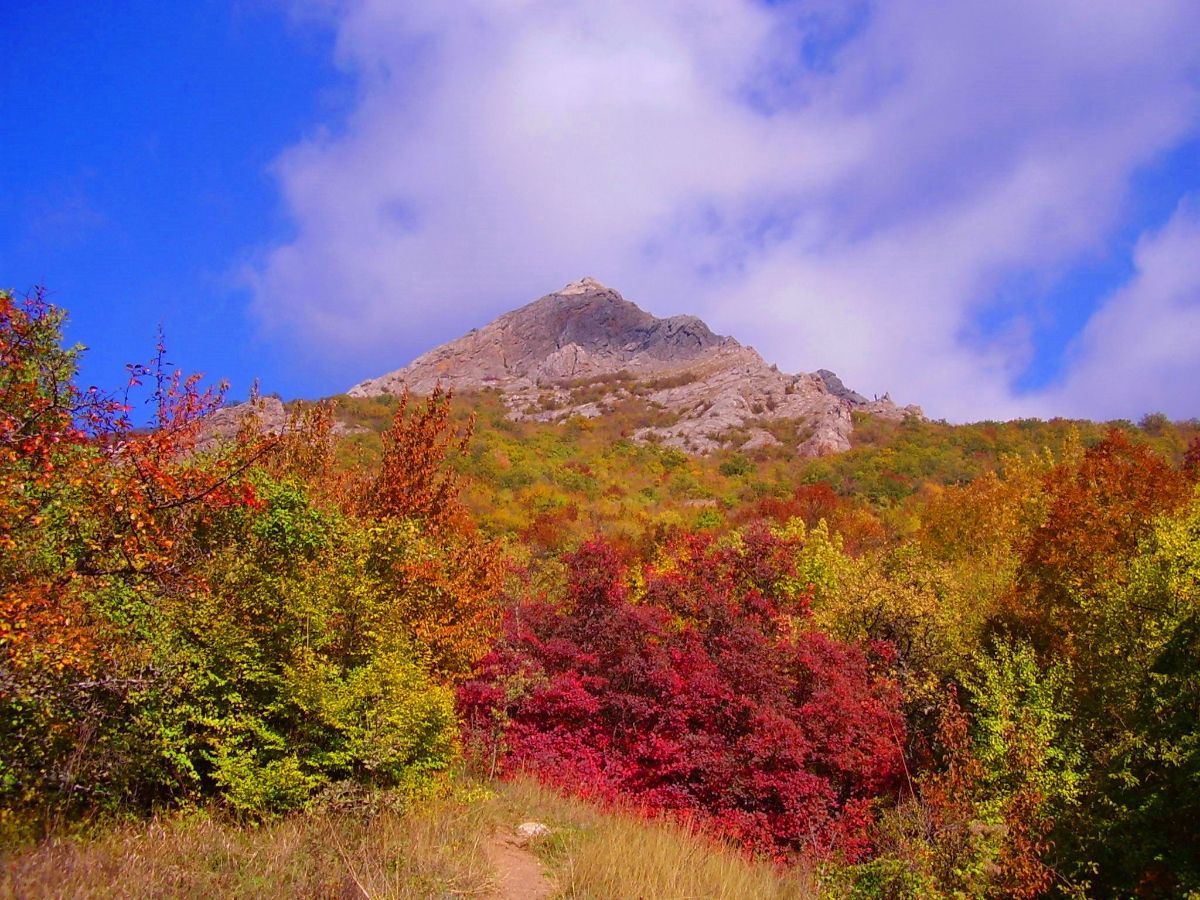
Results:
x,y
709,697
181,622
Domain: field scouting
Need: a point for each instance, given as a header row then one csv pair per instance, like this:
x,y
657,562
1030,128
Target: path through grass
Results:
x,y
436,849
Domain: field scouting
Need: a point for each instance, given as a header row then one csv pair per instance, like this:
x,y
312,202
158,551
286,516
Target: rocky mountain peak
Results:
x,y
585,285
706,390
598,319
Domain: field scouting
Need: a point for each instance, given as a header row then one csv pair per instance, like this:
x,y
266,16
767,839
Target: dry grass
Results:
x,y
434,851
437,849
596,855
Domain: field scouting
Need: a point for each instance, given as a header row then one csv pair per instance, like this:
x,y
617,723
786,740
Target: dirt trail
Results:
x,y
521,876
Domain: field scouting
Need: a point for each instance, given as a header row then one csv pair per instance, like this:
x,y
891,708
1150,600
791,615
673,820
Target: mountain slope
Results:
x,y
584,348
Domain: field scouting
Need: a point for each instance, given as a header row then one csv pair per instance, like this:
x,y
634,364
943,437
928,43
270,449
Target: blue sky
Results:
x,y
136,176
991,212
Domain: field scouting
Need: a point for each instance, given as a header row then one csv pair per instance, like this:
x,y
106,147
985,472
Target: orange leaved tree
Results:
x,y
445,577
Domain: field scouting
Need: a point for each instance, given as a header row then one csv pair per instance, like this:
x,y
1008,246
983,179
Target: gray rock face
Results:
x,y
584,330
224,424
835,386
715,391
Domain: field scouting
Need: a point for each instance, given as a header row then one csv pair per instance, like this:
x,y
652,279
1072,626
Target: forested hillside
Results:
x,y
953,661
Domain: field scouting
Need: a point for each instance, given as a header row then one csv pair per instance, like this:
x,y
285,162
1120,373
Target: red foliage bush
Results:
x,y
706,695
810,502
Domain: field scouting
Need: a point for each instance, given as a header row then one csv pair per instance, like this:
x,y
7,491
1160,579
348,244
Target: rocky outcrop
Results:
x,y
223,425
835,387
709,390
262,415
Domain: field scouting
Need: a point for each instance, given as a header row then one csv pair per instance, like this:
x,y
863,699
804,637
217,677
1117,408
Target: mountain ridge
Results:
x,y
706,390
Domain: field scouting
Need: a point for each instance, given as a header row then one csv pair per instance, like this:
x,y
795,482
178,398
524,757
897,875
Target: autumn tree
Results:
x,y
1137,720
1191,460
1097,511
414,479
45,459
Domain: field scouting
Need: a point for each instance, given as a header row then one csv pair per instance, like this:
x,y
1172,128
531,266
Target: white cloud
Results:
x,y
856,213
